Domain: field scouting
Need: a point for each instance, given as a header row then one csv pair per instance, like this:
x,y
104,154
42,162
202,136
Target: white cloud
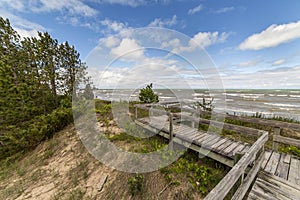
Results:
x,y
24,27
113,25
158,22
128,50
250,63
149,65
132,3
26,33
14,4
203,39
110,41
273,36
159,71
285,77
72,7
278,62
195,10
206,39
224,10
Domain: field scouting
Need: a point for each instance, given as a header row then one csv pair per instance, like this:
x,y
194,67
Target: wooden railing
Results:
x,y
256,152
277,138
194,118
254,155
253,120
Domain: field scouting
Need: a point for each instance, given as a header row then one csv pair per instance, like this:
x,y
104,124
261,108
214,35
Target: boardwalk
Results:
x,y
221,149
280,178
268,186
273,175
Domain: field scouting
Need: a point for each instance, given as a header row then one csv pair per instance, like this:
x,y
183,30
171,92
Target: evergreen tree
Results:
x,y
147,95
35,74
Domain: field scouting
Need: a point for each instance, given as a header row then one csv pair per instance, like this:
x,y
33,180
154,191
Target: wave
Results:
x,y
281,105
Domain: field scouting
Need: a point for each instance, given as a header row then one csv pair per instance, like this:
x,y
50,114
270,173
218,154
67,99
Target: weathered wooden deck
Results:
x,y
215,146
278,179
282,165
275,175
268,186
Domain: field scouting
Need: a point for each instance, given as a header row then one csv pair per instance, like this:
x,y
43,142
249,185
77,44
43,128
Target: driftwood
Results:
x,y
103,181
164,189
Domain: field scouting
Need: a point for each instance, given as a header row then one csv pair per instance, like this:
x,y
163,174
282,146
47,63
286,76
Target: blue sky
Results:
x,y
253,44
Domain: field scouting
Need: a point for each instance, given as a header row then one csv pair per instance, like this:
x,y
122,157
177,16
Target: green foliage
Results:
x,y
202,176
147,95
37,78
35,74
104,109
21,139
136,184
88,92
290,150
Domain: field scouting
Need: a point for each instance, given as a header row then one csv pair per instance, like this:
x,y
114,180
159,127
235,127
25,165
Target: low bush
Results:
x,y
136,184
30,134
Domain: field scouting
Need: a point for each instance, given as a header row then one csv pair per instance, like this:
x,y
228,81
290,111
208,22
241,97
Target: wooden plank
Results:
x,y
242,190
210,139
294,173
217,144
208,143
214,141
208,153
191,136
267,157
216,124
268,186
185,133
286,140
207,136
224,145
190,139
239,148
277,131
183,128
283,166
253,196
246,149
272,163
265,191
230,148
199,136
226,184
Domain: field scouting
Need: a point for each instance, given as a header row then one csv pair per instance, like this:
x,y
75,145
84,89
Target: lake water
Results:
x,y
285,103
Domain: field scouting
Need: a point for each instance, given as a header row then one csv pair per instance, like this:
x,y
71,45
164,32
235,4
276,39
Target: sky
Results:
x,y
174,44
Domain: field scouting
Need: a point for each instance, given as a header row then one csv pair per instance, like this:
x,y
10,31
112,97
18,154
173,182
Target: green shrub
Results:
x,y
136,184
31,133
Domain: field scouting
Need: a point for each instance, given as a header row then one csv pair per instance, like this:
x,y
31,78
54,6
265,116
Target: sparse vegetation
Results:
x,y
202,174
136,184
290,150
206,105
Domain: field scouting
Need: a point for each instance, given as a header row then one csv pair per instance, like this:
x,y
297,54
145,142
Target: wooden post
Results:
x,y
277,131
171,131
193,123
237,157
136,114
